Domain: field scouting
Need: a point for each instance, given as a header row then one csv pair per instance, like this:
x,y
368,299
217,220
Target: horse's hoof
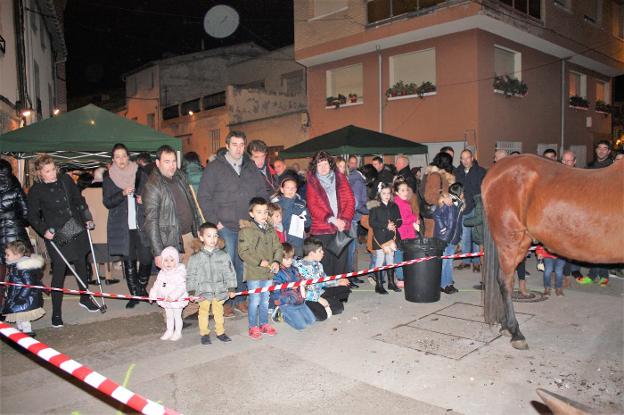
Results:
x,y
520,344
504,332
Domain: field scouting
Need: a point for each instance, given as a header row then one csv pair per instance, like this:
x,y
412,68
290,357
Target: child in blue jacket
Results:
x,y
448,219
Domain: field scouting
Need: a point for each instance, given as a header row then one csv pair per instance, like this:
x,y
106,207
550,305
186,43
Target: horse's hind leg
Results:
x,y
510,323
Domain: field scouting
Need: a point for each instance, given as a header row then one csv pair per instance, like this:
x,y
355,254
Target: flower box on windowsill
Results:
x,y
426,94
605,113
347,104
579,108
498,91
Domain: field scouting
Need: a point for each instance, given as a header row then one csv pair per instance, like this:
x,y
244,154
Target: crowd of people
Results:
x,y
243,223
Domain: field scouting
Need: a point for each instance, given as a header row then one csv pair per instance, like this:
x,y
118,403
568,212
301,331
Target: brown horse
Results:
x,y
574,213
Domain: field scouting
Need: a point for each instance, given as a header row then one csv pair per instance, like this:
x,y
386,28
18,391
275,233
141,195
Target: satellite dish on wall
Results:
x,y
221,21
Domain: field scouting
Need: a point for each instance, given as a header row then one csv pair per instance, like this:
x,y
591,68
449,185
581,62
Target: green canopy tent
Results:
x,y
354,140
83,137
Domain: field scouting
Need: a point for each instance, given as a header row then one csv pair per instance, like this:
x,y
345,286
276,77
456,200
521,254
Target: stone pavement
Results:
x,y
382,354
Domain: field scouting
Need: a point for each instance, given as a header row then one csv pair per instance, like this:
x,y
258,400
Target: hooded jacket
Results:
x,y
224,195
170,283
13,209
211,274
28,270
448,223
256,245
378,218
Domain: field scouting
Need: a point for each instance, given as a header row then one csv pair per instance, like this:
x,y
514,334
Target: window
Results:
x,y
215,140
292,82
171,112
507,62
44,33
531,8
416,67
594,14
214,100
190,106
131,85
151,120
617,15
602,92
509,146
325,7
577,86
543,147
344,81
384,9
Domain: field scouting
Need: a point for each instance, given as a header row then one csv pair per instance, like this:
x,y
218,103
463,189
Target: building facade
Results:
x,y
520,75
200,97
32,61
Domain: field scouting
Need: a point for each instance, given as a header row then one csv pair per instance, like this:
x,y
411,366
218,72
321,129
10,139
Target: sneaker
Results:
x,y
276,316
224,338
205,339
450,289
57,321
89,305
603,281
268,330
584,280
255,333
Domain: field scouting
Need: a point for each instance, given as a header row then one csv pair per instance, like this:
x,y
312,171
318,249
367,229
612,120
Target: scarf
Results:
x,y
126,177
329,185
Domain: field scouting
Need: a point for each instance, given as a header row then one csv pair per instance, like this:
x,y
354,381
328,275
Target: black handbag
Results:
x,y
338,244
70,229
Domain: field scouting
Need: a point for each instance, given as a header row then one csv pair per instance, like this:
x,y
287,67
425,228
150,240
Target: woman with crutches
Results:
x,y
59,214
122,188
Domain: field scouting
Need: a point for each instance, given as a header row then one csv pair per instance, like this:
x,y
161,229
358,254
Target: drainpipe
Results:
x,y
18,15
380,88
563,105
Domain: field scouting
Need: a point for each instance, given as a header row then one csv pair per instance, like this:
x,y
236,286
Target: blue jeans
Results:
x,y
398,257
258,303
466,241
231,247
556,265
447,267
298,316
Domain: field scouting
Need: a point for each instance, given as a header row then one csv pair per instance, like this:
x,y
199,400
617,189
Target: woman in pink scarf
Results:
x,y
121,189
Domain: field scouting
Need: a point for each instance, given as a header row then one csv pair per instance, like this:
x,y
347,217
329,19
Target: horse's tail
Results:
x,y
494,308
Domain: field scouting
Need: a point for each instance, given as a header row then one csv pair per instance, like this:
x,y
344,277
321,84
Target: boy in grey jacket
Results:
x,y
211,275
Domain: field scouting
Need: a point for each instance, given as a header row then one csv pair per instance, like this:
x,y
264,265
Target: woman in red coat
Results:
x,y
331,205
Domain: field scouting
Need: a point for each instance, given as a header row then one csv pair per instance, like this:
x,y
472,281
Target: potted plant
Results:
x,y
602,106
509,86
353,97
425,88
335,101
578,102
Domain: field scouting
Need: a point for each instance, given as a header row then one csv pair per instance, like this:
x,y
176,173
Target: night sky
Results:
x,y
106,38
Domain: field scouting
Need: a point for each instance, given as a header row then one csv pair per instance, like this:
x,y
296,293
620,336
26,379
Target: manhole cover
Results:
x,y
534,297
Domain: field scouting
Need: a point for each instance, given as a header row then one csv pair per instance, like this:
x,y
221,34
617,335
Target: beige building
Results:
x,y
199,97
522,75
32,61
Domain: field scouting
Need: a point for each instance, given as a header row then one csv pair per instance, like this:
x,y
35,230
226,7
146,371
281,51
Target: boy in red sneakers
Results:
x,y
261,252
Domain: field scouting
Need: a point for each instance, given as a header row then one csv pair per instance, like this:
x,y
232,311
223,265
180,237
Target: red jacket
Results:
x,y
318,204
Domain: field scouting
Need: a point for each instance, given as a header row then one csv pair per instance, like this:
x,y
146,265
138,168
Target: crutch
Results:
x,y
97,270
80,282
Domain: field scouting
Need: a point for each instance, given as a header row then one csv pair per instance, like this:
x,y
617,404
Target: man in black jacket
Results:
x,y
384,175
403,170
470,175
226,187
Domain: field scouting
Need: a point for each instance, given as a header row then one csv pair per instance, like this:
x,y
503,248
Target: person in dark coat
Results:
x,y
403,170
470,175
226,187
23,304
13,214
448,228
384,175
52,202
121,192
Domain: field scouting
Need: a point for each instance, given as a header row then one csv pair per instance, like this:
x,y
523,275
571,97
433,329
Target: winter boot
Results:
x,y
392,282
130,272
145,271
379,288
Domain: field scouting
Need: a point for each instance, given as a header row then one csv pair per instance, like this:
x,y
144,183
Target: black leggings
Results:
x,y
521,270
59,269
335,296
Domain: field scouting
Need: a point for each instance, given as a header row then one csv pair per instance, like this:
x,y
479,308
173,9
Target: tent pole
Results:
x,y
179,157
20,170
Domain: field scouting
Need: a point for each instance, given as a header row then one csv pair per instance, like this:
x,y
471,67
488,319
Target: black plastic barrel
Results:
x,y
422,280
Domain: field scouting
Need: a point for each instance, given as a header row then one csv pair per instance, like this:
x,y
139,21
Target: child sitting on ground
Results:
x,y
292,300
448,218
261,252
325,298
552,264
22,304
211,275
170,284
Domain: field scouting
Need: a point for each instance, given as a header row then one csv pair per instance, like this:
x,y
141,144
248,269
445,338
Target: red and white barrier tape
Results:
x,y
84,374
275,287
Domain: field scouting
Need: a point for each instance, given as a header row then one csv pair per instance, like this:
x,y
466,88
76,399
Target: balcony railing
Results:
x,y
379,10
